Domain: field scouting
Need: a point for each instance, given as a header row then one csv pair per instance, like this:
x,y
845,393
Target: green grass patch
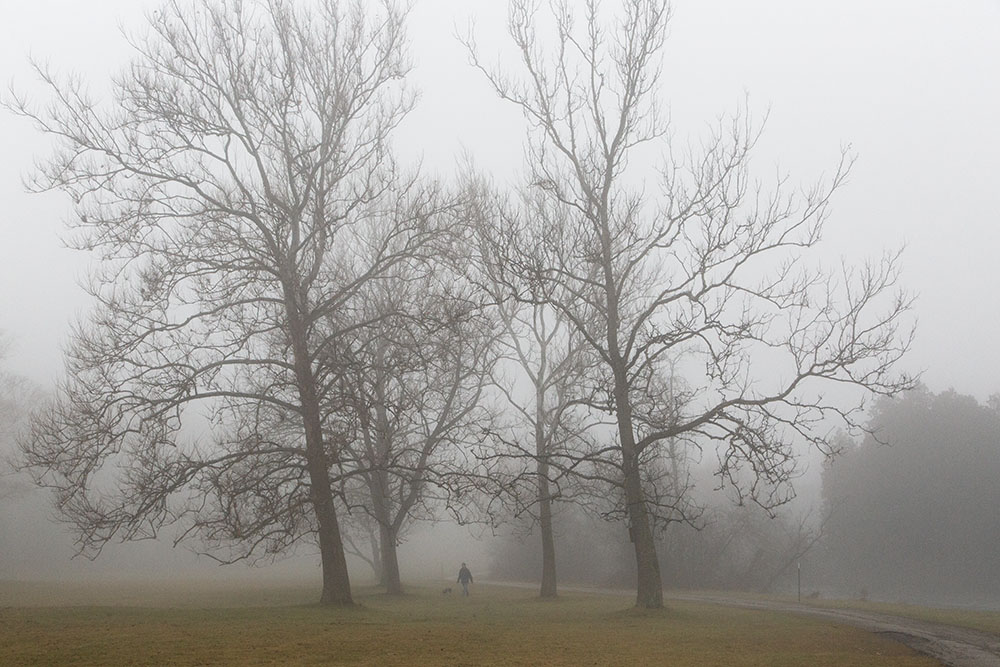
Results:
x,y
495,626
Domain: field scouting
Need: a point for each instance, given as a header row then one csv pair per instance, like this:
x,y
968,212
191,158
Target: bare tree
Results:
x,y
693,263
9,386
361,540
551,360
17,397
416,393
237,191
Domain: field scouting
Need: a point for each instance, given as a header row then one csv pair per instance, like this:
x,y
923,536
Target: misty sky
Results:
x,y
912,86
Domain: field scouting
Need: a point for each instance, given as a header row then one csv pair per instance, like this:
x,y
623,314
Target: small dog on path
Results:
x,y
446,591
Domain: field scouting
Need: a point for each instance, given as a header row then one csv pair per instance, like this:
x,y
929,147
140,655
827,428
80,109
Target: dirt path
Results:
x,y
956,646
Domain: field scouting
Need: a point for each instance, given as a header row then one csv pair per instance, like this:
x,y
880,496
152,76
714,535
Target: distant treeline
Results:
x,y
731,547
912,512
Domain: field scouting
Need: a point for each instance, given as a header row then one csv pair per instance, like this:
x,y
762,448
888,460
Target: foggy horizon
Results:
x,y
910,87
892,107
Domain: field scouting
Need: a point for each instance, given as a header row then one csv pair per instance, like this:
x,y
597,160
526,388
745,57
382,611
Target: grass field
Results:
x,y
496,626
987,621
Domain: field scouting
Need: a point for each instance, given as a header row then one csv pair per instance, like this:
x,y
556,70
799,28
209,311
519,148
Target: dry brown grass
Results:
x,y
987,621
495,626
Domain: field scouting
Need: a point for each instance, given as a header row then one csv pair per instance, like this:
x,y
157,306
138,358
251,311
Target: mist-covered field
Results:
x,y
195,624
673,323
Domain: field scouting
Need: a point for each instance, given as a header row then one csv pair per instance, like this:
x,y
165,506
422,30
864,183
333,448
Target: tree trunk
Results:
x,y
548,589
381,494
390,563
377,557
381,506
548,542
336,580
649,585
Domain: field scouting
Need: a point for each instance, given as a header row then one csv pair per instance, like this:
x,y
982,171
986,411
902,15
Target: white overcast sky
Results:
x,y
912,85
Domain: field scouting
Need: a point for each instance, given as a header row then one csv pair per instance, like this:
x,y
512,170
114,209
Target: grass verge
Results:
x,y
987,621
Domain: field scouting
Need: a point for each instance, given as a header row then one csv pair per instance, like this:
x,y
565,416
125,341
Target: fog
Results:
x,y
913,88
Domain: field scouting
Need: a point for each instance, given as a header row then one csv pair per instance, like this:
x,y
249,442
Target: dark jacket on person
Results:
x,y
464,576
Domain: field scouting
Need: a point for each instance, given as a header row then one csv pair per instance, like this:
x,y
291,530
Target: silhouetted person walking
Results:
x,y
465,578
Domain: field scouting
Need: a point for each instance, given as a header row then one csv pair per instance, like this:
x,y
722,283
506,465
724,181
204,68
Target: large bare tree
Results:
x,y
689,264
237,191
